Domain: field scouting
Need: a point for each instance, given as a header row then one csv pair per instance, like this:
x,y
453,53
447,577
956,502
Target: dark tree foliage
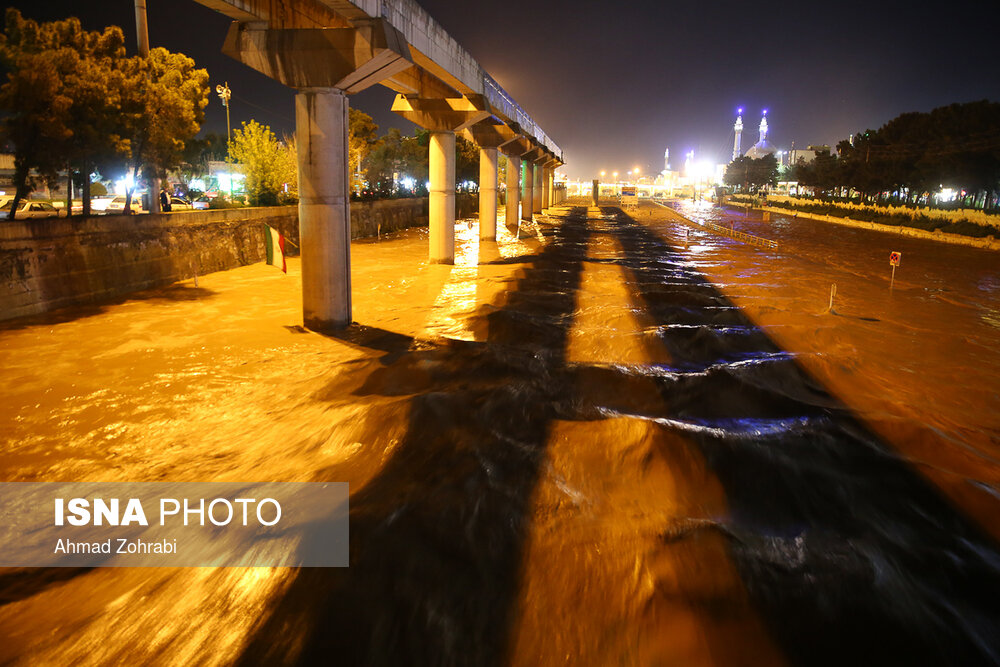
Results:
x,y
917,154
394,158
73,101
751,174
466,161
59,98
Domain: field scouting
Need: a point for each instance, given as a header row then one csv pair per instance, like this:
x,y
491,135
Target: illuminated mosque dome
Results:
x,y
763,146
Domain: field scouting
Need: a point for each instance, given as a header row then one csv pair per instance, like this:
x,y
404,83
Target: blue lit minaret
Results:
x,y
763,128
739,131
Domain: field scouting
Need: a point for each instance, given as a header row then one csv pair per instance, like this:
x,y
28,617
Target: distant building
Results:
x,y
738,129
763,146
807,155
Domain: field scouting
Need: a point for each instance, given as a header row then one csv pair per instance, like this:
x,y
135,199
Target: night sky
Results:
x,y
615,83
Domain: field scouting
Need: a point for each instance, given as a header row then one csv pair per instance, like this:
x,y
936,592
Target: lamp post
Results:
x,y
224,94
142,36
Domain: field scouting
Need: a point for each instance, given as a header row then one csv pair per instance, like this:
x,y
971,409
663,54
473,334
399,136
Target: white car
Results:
x,y
117,205
180,204
100,203
30,209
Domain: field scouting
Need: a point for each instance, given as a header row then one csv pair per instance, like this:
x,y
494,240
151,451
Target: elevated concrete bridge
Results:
x,y
328,49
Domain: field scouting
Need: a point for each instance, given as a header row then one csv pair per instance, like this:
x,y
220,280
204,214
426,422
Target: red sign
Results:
x,y
894,258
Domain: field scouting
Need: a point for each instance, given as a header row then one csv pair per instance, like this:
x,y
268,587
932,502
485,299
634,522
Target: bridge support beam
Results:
x,y
513,205
527,188
322,65
441,207
546,188
324,207
443,117
488,194
537,189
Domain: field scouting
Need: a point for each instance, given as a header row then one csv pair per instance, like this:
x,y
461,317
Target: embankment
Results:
x,y
985,242
52,263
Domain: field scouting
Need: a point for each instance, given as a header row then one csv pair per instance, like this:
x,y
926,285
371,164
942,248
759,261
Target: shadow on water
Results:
x,y
849,556
848,553
437,535
176,292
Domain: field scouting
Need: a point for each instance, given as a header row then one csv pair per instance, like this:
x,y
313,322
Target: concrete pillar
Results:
x,y
488,194
546,192
441,208
513,191
527,189
536,197
324,207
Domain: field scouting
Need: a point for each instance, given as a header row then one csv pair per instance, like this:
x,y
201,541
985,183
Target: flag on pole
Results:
x,y
274,243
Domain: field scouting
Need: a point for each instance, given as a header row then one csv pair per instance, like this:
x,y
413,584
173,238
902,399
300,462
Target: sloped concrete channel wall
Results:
x,y
51,263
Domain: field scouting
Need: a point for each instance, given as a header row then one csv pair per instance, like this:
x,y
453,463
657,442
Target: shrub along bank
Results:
x,y
975,224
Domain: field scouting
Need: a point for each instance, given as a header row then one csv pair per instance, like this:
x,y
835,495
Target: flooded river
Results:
x,y
601,440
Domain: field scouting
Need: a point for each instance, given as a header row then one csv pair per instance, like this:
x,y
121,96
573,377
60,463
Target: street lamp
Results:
x,y
224,94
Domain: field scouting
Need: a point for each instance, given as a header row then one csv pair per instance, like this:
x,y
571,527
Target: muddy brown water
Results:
x,y
607,460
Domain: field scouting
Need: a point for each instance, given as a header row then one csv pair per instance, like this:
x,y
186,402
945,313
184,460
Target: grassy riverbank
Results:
x,y
975,224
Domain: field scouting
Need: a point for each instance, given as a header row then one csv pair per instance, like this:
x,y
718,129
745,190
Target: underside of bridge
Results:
x,y
329,49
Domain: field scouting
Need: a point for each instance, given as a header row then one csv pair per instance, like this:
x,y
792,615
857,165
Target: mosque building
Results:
x,y
763,146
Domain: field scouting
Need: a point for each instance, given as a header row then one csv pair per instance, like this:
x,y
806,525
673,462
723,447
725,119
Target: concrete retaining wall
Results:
x,y
51,263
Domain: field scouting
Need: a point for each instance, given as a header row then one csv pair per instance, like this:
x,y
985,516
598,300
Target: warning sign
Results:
x,y
894,258
629,199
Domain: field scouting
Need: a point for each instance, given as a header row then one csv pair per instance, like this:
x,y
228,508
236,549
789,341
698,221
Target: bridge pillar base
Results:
x,y
487,194
527,190
537,190
324,207
441,207
513,191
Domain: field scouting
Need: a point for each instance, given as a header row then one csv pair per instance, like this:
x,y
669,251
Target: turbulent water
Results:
x,y
607,441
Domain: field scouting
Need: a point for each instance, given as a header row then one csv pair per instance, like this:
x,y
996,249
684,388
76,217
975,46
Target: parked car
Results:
x,y
202,202
100,204
180,204
30,209
117,206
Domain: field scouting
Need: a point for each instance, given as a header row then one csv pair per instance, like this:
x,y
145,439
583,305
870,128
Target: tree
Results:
x,y
466,161
396,158
362,137
751,174
956,146
267,164
288,171
738,172
163,102
199,152
60,98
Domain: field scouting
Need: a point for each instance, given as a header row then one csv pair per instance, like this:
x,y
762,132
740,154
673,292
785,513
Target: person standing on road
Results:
x,y
164,201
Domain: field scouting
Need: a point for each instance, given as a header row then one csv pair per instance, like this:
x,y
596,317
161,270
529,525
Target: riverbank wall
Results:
x,y
52,263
